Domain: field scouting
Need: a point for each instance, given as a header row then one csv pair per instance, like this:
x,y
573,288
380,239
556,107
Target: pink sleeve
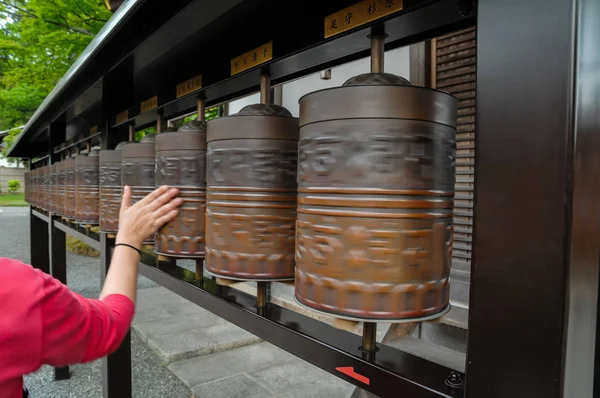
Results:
x,y
76,329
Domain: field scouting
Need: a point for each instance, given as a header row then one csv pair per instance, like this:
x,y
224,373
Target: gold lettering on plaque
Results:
x,y
122,117
149,104
359,14
188,86
252,58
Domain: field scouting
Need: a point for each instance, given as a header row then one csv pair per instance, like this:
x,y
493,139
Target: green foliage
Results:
x,y
209,114
78,247
13,185
39,41
16,199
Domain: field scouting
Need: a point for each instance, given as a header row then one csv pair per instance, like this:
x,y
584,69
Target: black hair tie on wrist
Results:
x,y
134,248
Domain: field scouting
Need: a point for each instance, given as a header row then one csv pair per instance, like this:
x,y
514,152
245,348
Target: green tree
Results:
x,y
39,41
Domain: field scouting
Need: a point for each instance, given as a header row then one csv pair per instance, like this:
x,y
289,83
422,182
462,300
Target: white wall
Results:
x,y
396,61
237,105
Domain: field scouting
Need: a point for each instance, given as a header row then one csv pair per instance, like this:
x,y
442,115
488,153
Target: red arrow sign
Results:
x,y
349,371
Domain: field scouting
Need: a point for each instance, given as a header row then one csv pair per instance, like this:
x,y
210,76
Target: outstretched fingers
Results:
x,y
152,196
163,199
126,200
166,208
162,220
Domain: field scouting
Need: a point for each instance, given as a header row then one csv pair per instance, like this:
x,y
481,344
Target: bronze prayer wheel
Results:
x,y
52,202
375,200
87,189
32,186
42,199
181,164
110,188
70,189
46,205
251,194
137,170
59,207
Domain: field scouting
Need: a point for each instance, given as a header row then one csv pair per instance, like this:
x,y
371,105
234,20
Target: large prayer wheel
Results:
x,y
59,207
70,189
52,189
87,181
110,188
375,205
181,164
138,170
251,194
43,203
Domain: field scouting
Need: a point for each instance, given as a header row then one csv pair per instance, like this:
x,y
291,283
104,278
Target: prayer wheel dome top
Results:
x,y
196,126
120,145
149,138
264,110
376,79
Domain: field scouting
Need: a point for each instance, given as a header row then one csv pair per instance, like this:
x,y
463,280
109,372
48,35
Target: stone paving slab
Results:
x,y
240,386
177,329
261,370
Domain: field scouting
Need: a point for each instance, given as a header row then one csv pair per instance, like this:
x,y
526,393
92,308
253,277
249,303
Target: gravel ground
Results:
x,y
150,378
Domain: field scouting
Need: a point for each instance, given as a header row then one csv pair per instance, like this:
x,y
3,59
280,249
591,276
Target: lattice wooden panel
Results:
x,y
453,70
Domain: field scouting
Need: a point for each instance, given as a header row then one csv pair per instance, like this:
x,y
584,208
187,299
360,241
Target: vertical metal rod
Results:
x,y
369,341
199,262
377,52
265,87
159,122
261,294
201,104
131,132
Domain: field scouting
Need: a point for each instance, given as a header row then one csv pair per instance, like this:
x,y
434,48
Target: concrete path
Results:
x,y
178,348
217,359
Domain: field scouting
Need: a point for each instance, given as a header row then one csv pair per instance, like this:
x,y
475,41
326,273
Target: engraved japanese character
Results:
x,y
389,3
235,64
255,57
265,52
333,24
349,17
372,8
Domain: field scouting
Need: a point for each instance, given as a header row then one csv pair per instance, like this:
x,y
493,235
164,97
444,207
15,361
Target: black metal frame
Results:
x,y
535,269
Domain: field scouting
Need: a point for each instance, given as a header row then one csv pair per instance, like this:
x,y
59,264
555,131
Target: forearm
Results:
x,y
122,273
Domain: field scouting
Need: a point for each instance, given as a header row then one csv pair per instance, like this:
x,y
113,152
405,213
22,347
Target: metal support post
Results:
x,y
116,368
38,233
58,269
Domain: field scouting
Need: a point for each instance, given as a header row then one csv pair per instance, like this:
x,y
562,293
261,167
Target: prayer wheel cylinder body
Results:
x,y
87,181
181,164
70,189
52,200
110,189
44,188
137,170
59,207
375,200
87,190
251,194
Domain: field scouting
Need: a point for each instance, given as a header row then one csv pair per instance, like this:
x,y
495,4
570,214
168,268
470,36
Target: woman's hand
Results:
x,y
143,219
